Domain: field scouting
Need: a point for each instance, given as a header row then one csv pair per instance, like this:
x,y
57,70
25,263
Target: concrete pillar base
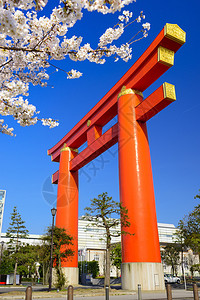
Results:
x,y
149,275
70,273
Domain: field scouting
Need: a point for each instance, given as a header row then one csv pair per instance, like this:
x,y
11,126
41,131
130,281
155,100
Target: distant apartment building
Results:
x,y
32,239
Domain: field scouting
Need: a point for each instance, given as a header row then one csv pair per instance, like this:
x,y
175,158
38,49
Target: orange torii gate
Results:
x,y
141,262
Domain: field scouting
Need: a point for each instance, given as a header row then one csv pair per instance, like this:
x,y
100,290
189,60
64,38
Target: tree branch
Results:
x,y
20,49
42,40
7,62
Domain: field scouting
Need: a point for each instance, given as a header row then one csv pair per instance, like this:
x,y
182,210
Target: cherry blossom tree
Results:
x,y
31,42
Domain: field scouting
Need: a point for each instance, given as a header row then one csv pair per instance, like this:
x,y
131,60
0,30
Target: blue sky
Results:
x,y
174,134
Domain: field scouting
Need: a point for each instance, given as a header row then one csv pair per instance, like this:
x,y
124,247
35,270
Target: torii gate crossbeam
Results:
x,y
141,252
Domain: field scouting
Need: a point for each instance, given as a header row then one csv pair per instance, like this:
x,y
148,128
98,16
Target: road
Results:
x,y
121,297
178,293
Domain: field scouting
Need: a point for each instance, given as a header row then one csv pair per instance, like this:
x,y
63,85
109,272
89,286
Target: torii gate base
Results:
x,y
141,261
149,275
71,274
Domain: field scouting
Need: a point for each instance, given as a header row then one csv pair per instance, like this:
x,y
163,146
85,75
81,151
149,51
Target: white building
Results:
x,y
166,233
92,245
32,239
93,237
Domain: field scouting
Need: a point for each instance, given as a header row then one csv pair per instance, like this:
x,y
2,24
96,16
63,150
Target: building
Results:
x,y
32,239
92,245
166,233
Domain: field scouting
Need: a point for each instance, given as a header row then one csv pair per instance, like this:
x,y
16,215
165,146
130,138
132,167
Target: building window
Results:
x,y
96,257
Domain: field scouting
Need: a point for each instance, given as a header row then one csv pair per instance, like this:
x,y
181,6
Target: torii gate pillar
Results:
x,y
141,261
67,209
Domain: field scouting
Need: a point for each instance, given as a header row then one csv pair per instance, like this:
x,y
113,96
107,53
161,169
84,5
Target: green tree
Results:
x,y
28,259
197,196
190,228
189,231
102,213
44,260
195,268
15,232
116,256
61,251
92,267
28,256
171,257
7,263
181,242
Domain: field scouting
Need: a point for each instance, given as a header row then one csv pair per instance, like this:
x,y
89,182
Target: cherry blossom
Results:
x,y
146,26
30,43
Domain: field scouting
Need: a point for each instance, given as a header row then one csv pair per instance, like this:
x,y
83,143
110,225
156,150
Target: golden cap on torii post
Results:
x,y
66,148
125,91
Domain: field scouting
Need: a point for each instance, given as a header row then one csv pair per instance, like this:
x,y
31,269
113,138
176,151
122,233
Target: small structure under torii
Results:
x,y
141,261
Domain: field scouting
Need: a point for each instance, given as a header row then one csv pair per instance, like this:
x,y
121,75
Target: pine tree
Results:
x,y
62,251
102,213
15,232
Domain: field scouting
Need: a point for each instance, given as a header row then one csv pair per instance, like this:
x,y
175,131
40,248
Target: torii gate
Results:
x,y
141,261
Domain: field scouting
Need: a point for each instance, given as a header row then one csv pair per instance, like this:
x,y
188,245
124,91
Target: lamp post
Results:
x,y
2,244
53,212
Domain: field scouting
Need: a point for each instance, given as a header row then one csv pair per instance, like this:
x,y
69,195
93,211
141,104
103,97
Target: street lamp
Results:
x,y
53,212
2,244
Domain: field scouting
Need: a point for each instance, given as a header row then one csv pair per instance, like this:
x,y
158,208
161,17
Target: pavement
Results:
x,y
90,293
